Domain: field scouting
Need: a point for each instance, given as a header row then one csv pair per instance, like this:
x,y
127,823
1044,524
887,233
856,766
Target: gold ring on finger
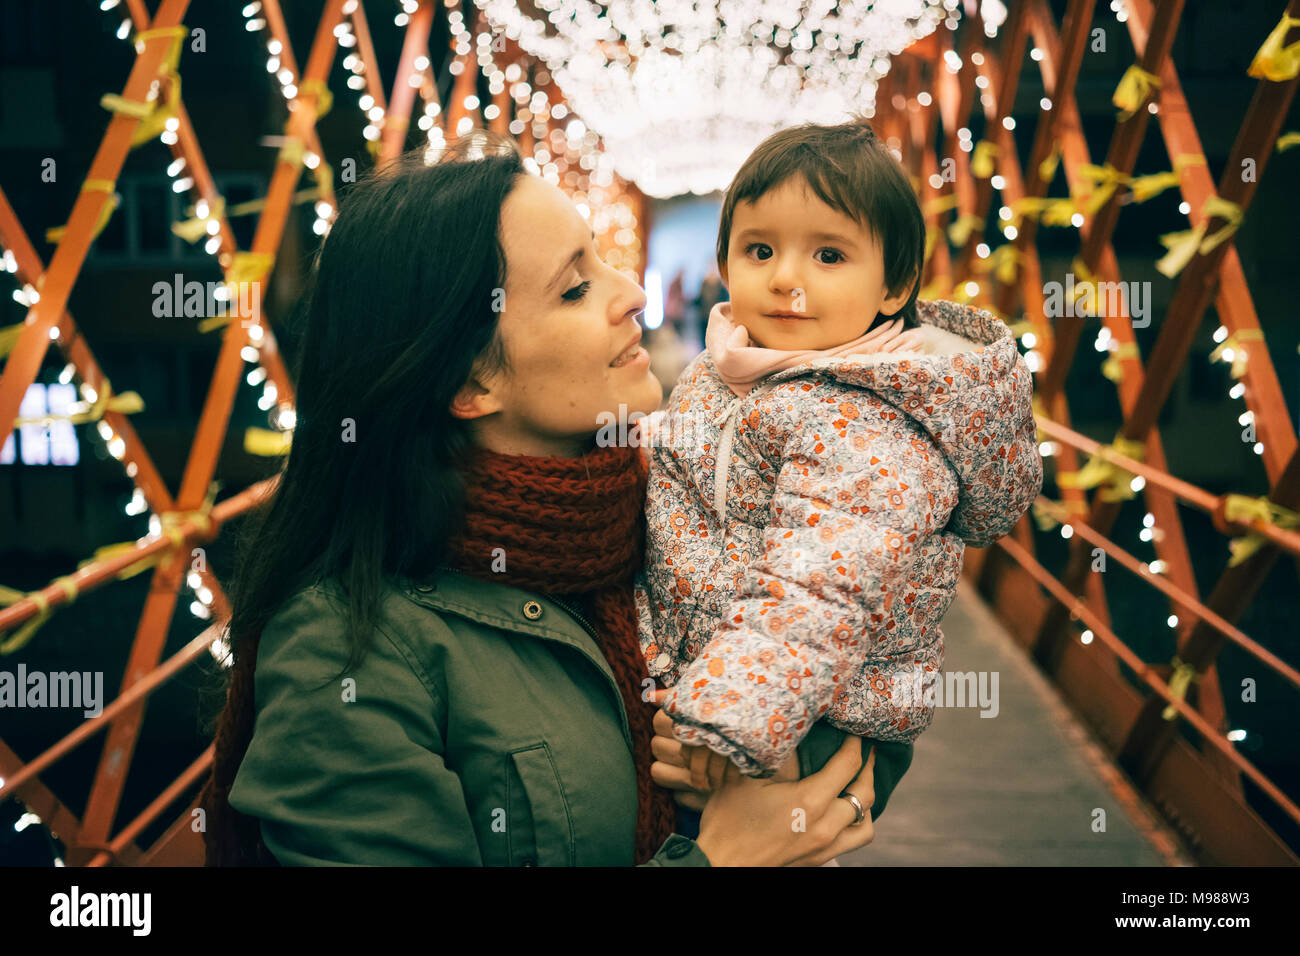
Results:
x,y
859,813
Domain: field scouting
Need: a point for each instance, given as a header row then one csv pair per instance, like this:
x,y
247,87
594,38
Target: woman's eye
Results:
x,y
577,292
755,245
835,252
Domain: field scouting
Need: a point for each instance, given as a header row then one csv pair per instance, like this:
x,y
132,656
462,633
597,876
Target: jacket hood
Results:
x,y
971,390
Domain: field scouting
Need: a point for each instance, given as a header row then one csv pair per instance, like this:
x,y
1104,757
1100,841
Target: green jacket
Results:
x,y
484,727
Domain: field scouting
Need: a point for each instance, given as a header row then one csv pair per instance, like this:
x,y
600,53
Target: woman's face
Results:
x,y
567,318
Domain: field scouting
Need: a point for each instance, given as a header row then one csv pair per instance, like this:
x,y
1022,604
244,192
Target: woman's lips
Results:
x,y
788,318
632,356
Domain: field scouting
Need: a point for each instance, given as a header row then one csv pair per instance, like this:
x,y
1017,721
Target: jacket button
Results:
x,y
427,588
532,610
678,850
529,862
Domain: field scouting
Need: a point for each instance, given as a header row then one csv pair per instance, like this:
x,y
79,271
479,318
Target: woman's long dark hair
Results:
x,y
399,313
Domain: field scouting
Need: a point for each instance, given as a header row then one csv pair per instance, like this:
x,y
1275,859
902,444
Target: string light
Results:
x,y
680,97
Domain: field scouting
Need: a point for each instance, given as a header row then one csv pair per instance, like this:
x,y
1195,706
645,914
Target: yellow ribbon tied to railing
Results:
x,y
1241,509
1060,212
172,522
960,230
55,234
1183,677
80,413
1148,187
25,633
324,98
1134,88
267,443
1085,288
1232,350
1047,168
1031,206
1003,262
961,294
192,230
931,237
937,288
1048,513
245,267
110,551
1183,245
940,204
1274,61
1104,180
1113,482
9,337
1113,367
196,228
153,113
292,150
1040,413
981,164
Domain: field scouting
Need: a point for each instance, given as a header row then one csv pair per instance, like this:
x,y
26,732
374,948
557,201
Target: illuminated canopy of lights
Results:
x,y
681,92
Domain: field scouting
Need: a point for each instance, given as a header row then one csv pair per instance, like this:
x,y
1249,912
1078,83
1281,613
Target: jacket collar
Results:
x,y
503,606
949,329
497,605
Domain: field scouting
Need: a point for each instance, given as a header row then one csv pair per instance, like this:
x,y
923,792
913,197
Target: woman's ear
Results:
x,y
474,401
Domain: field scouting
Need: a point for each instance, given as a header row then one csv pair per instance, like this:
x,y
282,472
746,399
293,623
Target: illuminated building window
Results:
x,y
54,444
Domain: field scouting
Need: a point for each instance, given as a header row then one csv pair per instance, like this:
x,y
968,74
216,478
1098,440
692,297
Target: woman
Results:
x,y
436,658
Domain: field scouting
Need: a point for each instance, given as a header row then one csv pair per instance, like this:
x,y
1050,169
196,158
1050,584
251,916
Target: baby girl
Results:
x,y
819,469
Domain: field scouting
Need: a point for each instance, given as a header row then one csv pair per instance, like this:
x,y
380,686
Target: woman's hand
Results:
x,y
757,822
753,822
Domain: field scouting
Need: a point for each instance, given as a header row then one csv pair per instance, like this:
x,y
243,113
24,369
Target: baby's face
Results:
x,y
790,252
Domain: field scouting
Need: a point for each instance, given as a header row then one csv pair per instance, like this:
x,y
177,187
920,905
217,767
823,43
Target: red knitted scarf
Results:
x,y
574,526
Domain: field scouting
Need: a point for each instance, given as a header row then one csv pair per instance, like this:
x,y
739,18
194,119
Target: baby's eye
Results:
x,y
834,252
755,245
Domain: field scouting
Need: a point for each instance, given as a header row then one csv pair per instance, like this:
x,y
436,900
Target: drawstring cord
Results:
x,y
724,459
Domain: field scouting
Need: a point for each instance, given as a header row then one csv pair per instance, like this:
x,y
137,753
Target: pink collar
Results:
x,y
742,366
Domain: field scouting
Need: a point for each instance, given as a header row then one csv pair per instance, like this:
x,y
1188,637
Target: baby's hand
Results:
x,y
709,770
682,766
910,341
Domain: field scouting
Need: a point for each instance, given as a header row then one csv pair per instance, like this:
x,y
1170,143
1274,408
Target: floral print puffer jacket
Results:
x,y
803,542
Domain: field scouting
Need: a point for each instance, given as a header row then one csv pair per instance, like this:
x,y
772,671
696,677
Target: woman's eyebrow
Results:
x,y
567,263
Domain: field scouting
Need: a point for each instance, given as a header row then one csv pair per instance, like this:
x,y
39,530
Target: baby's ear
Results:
x,y
897,301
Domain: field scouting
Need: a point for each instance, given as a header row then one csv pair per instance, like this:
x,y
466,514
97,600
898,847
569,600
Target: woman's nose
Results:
x,y
633,302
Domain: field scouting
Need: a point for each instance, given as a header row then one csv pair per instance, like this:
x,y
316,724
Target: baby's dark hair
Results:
x,y
849,169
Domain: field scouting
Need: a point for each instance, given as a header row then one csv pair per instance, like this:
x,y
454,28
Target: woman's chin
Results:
x,y
627,404
645,396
